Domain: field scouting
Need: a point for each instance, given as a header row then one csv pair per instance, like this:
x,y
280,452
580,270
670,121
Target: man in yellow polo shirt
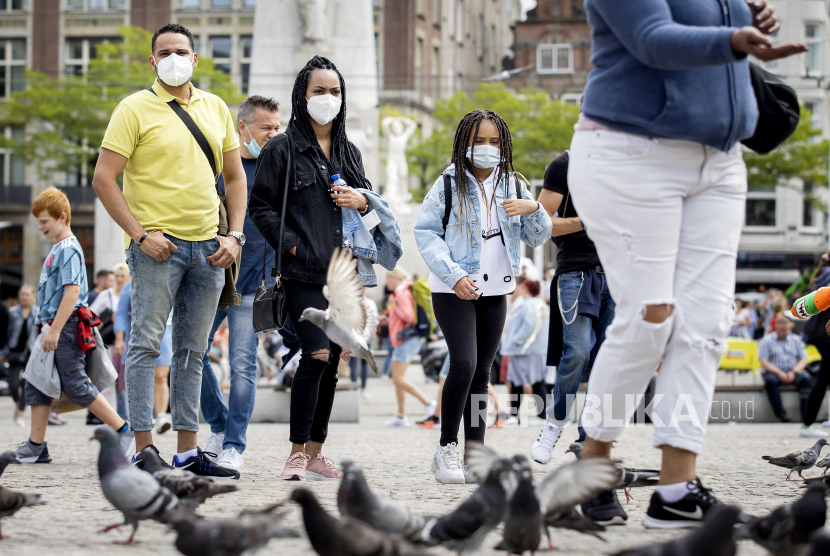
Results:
x,y
169,211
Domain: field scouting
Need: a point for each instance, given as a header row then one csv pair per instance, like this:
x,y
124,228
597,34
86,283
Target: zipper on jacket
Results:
x,y
730,79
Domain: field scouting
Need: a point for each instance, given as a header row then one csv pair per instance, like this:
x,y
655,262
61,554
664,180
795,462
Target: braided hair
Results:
x,y
469,126
352,169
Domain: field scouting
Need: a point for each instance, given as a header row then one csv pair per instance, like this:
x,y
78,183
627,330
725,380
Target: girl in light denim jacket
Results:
x,y
473,258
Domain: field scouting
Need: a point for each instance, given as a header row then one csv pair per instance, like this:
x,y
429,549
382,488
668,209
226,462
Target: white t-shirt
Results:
x,y
495,276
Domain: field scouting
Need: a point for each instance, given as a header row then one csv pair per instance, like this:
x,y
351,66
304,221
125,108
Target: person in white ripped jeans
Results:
x,y
657,175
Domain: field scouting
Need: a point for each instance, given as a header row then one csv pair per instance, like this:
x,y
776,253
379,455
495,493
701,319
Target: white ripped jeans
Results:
x,y
666,218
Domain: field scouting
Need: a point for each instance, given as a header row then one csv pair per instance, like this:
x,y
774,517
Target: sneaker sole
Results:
x,y
541,460
36,459
653,523
291,478
451,481
425,426
312,476
616,520
166,426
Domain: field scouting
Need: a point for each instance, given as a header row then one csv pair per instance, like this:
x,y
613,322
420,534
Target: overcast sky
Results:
x,y
526,5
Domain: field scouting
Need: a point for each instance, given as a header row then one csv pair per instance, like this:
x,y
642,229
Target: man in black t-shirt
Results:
x,y
579,296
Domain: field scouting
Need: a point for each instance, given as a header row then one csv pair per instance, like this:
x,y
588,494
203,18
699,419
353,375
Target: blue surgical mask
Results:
x,y
487,156
253,147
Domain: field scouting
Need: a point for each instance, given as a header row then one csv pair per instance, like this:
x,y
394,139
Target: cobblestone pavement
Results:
x,y
396,462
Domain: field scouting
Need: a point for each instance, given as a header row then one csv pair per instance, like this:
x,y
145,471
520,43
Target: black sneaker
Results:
x,y
605,509
92,419
689,511
201,464
137,460
429,423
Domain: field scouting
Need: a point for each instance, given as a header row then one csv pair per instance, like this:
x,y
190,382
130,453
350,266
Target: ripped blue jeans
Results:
x,y
189,284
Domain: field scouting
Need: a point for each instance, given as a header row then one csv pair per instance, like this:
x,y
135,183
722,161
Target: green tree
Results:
x,y
66,117
541,129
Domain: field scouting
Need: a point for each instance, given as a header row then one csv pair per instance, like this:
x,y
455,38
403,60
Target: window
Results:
x,y
12,167
436,13
761,207
808,211
772,66
459,21
812,58
493,52
436,69
419,65
197,42
482,38
421,8
91,5
249,3
12,66
554,58
246,44
220,51
9,5
577,9
80,51
814,108
570,98
220,3
190,3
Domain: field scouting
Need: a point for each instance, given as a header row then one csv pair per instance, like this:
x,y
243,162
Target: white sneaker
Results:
x,y
542,449
826,424
397,421
429,409
446,464
536,422
19,422
470,478
813,431
164,422
231,459
364,394
214,445
511,421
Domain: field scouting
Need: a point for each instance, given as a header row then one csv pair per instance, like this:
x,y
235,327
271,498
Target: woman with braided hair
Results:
x,y
305,157
474,256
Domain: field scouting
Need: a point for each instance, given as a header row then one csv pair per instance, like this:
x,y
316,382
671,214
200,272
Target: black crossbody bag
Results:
x,y
270,310
778,111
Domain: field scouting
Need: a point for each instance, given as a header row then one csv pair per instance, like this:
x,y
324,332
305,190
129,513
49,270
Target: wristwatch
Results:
x,y
240,237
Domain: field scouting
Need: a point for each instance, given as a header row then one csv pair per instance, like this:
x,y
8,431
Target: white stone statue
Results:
x,y
314,19
398,131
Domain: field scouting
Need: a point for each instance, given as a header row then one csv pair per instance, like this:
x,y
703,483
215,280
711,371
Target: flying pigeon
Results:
x,y
227,537
787,528
713,538
629,478
345,319
465,528
356,500
133,492
189,488
7,457
824,463
330,536
798,461
10,501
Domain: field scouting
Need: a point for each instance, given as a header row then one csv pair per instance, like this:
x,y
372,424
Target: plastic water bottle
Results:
x,y
351,218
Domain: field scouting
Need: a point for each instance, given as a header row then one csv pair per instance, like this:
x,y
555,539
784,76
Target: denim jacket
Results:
x,y
381,245
357,237
527,329
457,254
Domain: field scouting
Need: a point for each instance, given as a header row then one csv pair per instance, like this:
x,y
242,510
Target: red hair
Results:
x,y
532,287
54,202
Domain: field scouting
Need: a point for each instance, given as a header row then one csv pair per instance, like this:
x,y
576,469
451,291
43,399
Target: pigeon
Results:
x,y
7,457
820,544
822,481
824,463
330,536
356,500
465,528
798,461
629,478
133,492
10,501
712,538
189,488
227,537
787,528
523,522
345,319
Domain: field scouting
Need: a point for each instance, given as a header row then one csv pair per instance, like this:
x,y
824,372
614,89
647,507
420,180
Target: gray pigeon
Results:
x,y
820,544
345,319
465,528
330,536
629,478
133,492
823,463
798,461
823,481
7,457
189,488
787,528
356,500
228,537
713,538
10,501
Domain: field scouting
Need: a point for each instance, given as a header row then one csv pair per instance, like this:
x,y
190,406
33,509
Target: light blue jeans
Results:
x,y
190,285
233,418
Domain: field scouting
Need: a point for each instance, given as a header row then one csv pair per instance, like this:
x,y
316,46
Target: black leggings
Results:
x,y
17,384
312,391
472,330
819,386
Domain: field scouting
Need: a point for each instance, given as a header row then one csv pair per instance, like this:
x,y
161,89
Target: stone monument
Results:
x,y
287,33
398,131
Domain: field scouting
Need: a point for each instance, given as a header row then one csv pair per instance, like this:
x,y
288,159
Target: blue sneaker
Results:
x,y
201,464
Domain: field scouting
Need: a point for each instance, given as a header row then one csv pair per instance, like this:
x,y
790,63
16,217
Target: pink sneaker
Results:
x,y
322,468
295,467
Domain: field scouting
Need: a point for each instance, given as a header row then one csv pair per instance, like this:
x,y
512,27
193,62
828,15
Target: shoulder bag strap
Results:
x,y
447,203
282,216
197,134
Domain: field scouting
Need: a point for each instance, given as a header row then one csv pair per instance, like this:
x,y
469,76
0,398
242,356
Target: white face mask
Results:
x,y
174,70
324,108
487,156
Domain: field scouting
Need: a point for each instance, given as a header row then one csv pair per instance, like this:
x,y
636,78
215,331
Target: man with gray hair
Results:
x,y
258,121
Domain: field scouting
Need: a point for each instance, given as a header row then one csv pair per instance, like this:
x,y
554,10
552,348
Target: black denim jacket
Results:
x,y
312,221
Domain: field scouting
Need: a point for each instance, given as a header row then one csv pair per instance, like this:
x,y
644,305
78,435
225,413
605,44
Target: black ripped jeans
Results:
x,y
472,330
312,391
